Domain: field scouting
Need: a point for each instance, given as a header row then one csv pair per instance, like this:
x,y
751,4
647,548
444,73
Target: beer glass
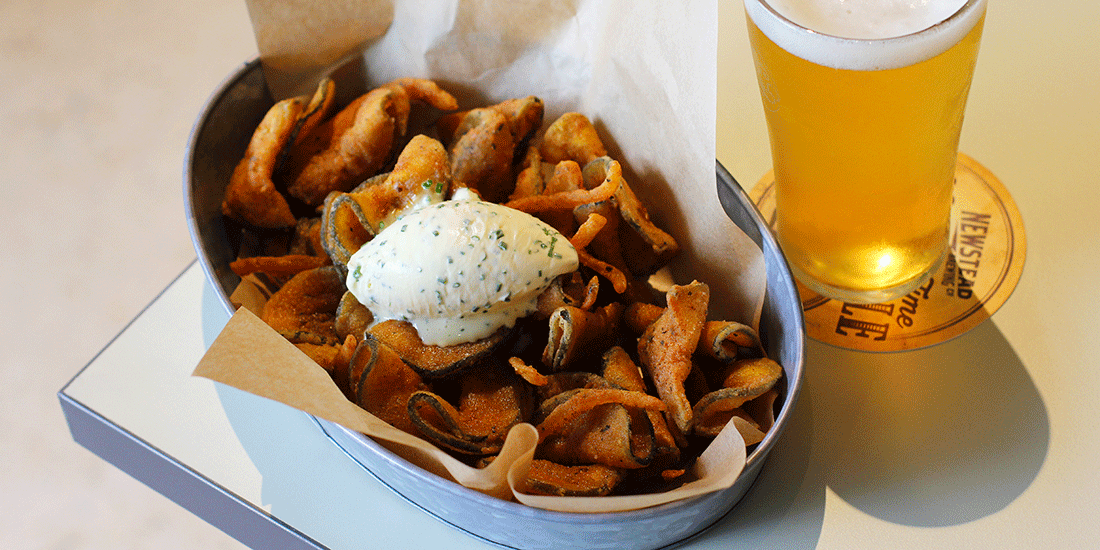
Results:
x,y
864,112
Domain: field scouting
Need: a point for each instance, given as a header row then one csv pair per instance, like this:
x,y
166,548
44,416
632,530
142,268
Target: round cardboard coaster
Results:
x,y
988,248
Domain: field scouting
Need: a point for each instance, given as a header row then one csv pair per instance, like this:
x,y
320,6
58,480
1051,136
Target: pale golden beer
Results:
x,y
864,136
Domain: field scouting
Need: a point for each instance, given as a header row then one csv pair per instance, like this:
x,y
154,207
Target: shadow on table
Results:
x,y
928,438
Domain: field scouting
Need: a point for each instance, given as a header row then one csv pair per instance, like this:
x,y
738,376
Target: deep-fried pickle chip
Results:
x,y
344,228
306,239
485,143
609,434
605,244
722,340
524,115
659,246
572,137
584,236
567,200
421,176
742,381
313,115
434,362
334,359
564,177
481,158
589,480
580,401
569,289
490,402
576,334
251,195
529,180
562,386
751,377
277,266
730,340
666,346
336,158
352,318
381,383
304,309
528,373
639,315
621,372
714,411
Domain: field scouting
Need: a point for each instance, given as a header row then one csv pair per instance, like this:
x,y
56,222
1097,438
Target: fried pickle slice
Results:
x,y
313,115
666,347
572,137
304,309
524,116
602,424
742,381
348,220
435,362
485,143
306,239
381,383
730,341
338,155
564,177
752,377
421,176
576,334
582,400
620,371
714,411
609,434
352,317
604,246
561,386
529,180
481,158
722,340
277,266
490,402
251,195
333,358
548,478
569,289
656,246
607,187
581,240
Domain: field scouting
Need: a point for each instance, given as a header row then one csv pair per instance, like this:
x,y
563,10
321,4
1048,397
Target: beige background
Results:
x,y
100,98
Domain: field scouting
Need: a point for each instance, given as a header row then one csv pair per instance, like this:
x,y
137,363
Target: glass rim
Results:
x,y
963,9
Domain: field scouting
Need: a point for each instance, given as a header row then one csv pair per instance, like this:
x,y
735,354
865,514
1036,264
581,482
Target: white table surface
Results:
x,y
987,441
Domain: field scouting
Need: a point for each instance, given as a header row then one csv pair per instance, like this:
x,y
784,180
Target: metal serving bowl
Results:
x,y
217,143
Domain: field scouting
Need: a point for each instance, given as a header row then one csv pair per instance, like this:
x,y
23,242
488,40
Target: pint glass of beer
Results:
x,y
864,102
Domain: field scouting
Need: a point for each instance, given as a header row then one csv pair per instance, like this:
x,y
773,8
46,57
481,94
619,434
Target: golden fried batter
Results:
x,y
665,348
251,195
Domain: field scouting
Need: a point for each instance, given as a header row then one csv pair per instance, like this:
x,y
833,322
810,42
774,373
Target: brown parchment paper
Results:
x,y
645,77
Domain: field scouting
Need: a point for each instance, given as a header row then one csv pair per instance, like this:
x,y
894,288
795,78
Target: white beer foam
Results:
x,y
865,35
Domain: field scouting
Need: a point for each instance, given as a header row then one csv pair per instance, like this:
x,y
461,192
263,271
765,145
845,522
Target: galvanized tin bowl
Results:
x,y
217,143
